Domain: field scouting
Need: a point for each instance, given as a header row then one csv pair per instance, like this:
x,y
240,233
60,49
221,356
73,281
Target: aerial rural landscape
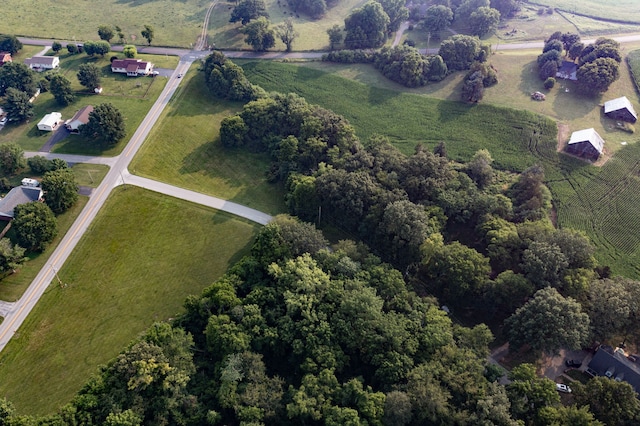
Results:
x,y
312,212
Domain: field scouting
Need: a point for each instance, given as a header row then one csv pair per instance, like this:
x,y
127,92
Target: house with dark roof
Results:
x,y
5,57
586,143
81,117
131,67
15,197
616,365
620,109
43,63
568,71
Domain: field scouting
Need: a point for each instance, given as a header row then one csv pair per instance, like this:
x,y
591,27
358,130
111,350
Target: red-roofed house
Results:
x,y
131,67
5,57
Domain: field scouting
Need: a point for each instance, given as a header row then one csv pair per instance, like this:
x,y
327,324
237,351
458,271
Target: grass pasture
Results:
x,y
601,201
120,279
633,60
183,150
313,33
620,10
176,23
132,96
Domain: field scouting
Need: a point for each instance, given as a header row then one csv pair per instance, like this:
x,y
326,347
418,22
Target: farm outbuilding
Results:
x,y
50,122
586,143
620,109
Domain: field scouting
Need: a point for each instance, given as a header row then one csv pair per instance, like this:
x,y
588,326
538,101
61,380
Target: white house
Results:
x,y
42,63
81,117
131,67
50,122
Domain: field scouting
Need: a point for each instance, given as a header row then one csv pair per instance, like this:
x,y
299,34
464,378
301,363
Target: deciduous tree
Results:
x,y
105,32
16,105
366,27
11,158
335,36
56,46
548,322
259,35
35,225
61,189
89,76
60,87
459,51
287,33
484,20
148,33
248,10
612,402
10,43
596,77
437,18
396,11
130,51
18,76
106,125
11,258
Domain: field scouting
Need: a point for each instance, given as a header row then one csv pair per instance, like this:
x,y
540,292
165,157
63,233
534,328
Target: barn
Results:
x,y
586,143
620,109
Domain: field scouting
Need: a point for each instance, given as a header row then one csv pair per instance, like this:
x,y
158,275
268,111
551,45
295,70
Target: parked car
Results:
x,y
561,387
574,363
179,75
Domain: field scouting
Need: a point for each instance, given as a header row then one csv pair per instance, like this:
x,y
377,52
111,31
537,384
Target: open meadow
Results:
x,y
600,201
176,23
313,33
143,255
183,149
132,96
620,10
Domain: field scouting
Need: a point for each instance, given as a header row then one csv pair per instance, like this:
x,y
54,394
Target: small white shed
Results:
x,y
50,122
30,182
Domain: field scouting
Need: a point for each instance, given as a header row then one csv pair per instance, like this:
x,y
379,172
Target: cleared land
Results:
x,y
621,10
183,150
132,96
116,287
600,201
176,23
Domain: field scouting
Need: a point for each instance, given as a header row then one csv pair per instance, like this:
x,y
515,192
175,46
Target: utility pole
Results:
x,y
60,283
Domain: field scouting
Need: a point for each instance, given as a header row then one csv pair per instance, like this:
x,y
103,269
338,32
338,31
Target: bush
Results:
x,y
72,48
39,164
349,57
549,83
409,42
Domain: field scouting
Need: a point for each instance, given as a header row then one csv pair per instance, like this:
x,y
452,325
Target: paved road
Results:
x,y
72,158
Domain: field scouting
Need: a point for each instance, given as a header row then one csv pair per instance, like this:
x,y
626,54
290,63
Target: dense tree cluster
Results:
x,y
96,47
10,43
60,189
16,75
106,125
227,80
89,75
598,63
259,34
460,51
480,16
60,87
366,27
248,10
480,75
405,65
35,225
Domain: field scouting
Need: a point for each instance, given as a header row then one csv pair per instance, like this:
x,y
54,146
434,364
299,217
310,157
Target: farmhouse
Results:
x,y
42,63
5,57
614,364
81,117
131,67
586,143
50,122
15,197
620,109
567,71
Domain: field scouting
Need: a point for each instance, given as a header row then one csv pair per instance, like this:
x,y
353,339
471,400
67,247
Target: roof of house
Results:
x,y
614,364
49,60
126,63
82,115
18,195
5,56
50,119
588,135
567,70
619,103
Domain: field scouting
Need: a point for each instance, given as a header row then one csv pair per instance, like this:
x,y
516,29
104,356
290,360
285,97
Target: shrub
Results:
x,y
39,164
549,83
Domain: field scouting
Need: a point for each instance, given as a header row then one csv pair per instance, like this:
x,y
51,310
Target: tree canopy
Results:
x,y
16,104
105,32
60,87
35,225
366,27
148,33
61,189
89,76
17,76
10,43
106,125
248,10
259,35
11,158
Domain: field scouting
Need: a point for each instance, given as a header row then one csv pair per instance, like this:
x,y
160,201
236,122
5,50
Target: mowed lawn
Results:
x,y
143,255
184,150
176,23
621,10
134,97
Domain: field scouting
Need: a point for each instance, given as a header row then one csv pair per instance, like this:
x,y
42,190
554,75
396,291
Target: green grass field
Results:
x,y
313,33
176,23
90,174
132,96
117,286
183,150
633,60
600,201
621,10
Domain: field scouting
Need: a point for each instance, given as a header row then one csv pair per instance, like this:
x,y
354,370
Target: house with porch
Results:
x,y
43,63
131,67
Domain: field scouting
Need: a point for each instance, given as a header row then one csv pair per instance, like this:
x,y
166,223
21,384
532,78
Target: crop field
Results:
x,y
121,278
599,201
183,149
633,59
313,33
132,96
176,23
621,10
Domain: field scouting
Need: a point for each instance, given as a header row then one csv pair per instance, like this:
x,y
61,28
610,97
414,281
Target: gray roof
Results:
x,y
618,366
619,103
40,60
588,135
18,195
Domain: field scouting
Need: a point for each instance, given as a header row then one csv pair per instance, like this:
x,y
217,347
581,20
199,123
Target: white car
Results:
x,y
560,387
3,121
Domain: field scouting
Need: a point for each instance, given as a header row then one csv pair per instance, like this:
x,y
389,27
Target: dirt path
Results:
x,y
401,30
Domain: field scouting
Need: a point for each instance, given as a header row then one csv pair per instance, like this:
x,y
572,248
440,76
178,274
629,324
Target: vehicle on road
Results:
x,y
573,363
561,387
180,75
